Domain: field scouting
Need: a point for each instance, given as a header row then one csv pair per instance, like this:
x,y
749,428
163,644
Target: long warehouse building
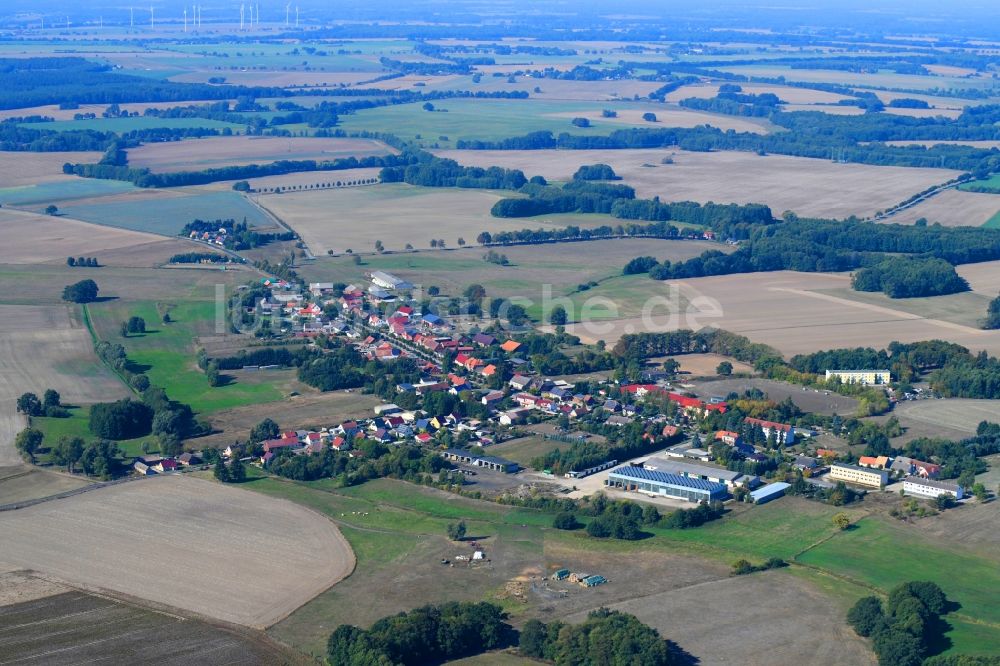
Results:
x,y
633,477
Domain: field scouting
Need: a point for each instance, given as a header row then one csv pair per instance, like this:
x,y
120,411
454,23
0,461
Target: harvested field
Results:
x,y
952,208
211,152
789,621
559,89
974,144
20,168
984,278
298,412
218,547
703,365
957,414
803,312
808,400
923,113
731,177
667,116
30,238
563,266
832,109
973,523
57,624
280,79
18,484
53,111
67,365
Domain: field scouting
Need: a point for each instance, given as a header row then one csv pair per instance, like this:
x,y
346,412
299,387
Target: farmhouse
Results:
x,y
876,478
640,479
911,467
864,377
389,281
783,432
874,462
915,485
489,462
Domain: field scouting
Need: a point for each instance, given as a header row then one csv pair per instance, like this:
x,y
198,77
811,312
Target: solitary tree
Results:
x,y
221,472
28,441
51,398
842,521
379,247
84,291
51,209
29,404
725,368
557,316
456,532
266,429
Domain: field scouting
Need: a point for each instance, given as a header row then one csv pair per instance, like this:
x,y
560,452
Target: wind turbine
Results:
x,y
152,23
287,8
258,14
131,17
242,8
185,19
296,16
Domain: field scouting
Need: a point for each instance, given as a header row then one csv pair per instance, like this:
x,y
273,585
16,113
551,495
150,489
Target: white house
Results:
x,y
915,485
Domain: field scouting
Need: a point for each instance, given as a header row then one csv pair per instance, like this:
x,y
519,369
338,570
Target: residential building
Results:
x,y
875,462
783,432
862,476
860,376
640,479
912,467
921,487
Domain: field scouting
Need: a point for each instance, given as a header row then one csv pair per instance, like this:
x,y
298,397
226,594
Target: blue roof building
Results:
x,y
633,477
769,492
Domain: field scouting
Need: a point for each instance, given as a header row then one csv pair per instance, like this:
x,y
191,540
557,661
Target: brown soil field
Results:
x,y
312,410
30,238
18,484
832,109
952,208
671,117
19,168
787,622
187,543
808,400
810,187
196,154
797,313
44,622
46,347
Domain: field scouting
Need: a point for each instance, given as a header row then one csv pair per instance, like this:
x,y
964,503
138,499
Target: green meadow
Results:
x,y
46,193
122,125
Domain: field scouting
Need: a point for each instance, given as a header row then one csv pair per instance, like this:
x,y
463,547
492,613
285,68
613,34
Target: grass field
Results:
x,y
225,567
398,214
562,266
524,449
43,194
731,177
881,79
166,353
165,212
78,425
991,183
210,152
882,554
122,125
497,119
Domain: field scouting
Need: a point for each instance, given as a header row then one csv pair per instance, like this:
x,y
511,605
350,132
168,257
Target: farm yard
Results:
x,y
131,545
212,152
731,177
56,622
805,312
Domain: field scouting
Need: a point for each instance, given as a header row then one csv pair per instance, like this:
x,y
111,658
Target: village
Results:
x,y
384,324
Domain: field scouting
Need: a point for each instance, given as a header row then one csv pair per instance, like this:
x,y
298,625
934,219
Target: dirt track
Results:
x,y
192,544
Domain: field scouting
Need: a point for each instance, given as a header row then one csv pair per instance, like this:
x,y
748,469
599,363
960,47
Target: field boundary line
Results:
x,y
94,340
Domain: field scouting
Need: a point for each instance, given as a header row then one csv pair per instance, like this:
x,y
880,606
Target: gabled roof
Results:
x,y
510,346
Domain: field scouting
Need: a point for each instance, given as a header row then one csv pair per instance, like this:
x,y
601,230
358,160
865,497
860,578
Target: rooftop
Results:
x,y
643,474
